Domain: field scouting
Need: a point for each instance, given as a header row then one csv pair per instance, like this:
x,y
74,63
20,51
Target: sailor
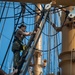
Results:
x,y
17,43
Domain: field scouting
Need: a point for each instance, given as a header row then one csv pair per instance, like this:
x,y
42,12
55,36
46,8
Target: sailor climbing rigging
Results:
x,y
17,43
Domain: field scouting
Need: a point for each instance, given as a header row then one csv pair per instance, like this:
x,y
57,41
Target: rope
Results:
x,y
5,36
4,22
6,59
1,6
50,35
48,47
54,42
3,10
57,49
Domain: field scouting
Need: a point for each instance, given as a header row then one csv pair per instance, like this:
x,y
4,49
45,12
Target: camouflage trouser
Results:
x,y
16,50
16,46
16,58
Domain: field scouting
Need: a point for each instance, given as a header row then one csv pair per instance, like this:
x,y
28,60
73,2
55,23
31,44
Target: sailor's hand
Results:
x,y
34,32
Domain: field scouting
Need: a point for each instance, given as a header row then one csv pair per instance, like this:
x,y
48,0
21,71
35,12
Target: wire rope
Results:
x,y
6,60
4,21
1,6
3,10
48,47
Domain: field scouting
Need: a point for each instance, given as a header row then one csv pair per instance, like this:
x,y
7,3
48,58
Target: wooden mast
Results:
x,y
67,56
37,54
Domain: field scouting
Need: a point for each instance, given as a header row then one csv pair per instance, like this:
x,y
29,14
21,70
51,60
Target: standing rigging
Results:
x,y
22,10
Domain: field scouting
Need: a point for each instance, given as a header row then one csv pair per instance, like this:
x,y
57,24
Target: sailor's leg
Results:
x,y
16,58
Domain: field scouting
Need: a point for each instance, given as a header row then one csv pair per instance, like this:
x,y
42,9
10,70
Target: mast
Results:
x,y
37,54
67,56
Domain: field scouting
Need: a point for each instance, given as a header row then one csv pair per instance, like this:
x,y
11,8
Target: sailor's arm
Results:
x,y
26,33
29,33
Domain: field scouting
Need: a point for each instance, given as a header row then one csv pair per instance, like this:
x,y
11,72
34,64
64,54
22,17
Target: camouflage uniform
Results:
x,y
16,48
